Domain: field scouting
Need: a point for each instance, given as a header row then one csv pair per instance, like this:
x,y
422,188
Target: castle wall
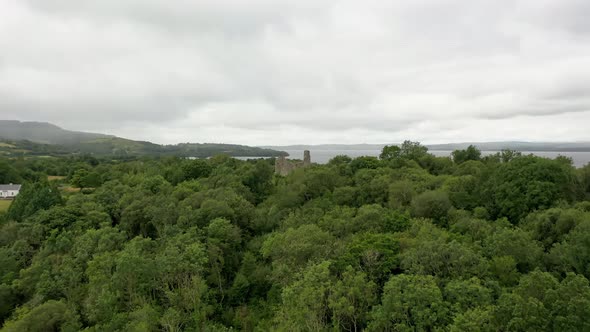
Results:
x,y
284,166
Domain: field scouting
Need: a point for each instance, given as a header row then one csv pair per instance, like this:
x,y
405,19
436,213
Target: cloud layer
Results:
x,y
309,71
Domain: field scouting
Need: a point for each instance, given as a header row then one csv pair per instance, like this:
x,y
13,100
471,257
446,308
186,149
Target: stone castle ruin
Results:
x,y
283,166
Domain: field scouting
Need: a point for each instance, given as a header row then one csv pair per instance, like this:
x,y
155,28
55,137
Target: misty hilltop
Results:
x,y
43,132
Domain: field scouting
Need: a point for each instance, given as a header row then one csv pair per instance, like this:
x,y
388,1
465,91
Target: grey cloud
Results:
x,y
569,16
233,18
326,68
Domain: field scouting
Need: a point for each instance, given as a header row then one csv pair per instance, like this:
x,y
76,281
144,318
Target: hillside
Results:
x,y
45,139
13,148
43,132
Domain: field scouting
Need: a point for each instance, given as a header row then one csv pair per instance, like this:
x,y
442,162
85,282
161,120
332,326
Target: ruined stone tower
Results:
x,y
283,166
306,158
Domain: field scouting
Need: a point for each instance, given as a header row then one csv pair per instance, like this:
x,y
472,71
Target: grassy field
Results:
x,y
70,189
55,177
4,204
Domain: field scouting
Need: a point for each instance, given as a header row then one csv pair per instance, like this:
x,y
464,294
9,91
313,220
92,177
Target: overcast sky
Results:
x,y
267,72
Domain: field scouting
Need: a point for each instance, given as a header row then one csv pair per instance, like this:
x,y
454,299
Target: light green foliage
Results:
x,y
409,303
504,269
540,302
481,213
350,300
223,244
293,248
305,302
49,316
439,256
570,304
5,205
473,320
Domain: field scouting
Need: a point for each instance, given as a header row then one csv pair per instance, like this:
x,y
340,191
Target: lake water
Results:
x,y
323,156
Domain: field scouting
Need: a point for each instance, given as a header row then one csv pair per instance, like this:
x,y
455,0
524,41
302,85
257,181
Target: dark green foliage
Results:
x,y
194,169
34,197
390,152
259,180
401,193
82,178
526,184
364,163
406,242
375,254
432,204
471,153
584,175
413,150
8,174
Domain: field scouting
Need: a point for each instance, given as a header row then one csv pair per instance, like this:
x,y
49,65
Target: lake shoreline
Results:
x,y
322,156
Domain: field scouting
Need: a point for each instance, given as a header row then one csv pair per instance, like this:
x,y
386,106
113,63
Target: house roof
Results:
x,y
10,186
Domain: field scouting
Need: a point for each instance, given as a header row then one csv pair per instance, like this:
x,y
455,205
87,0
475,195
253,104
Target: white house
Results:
x,y
9,190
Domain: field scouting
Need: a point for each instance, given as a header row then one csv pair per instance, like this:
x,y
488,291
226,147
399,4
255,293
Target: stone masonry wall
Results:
x,y
284,166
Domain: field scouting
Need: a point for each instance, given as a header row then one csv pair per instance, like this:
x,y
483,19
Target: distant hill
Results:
x,y
43,132
519,146
39,138
484,146
330,147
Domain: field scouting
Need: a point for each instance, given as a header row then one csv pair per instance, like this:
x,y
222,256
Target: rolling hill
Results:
x,y
43,132
45,139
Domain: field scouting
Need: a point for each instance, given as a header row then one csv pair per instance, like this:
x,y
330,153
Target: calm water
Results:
x,y
323,156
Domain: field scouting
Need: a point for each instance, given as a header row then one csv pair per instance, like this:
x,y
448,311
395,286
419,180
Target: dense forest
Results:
x,y
404,242
120,148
